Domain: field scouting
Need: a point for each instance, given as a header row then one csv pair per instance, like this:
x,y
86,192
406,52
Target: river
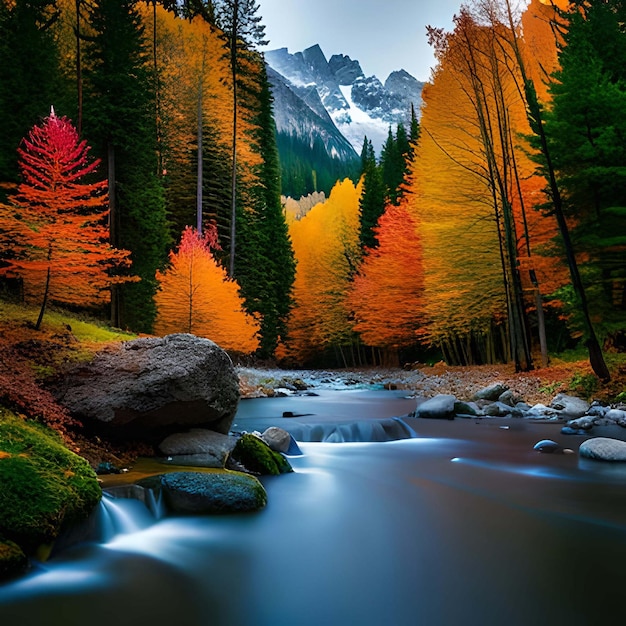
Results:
x,y
464,523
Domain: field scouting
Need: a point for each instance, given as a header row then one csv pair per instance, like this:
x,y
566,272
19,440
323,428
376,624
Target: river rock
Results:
x,y
439,407
510,398
155,385
277,439
569,406
200,492
603,449
257,457
546,445
492,392
586,422
467,409
213,447
616,415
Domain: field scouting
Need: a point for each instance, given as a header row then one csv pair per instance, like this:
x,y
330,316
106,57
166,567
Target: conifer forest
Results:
x,y
140,182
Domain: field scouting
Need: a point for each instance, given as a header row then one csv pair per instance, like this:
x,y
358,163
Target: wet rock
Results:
x,y
569,406
13,561
510,398
154,385
568,430
603,449
497,409
616,415
257,457
493,392
439,407
540,411
277,439
582,423
200,492
546,445
467,408
213,447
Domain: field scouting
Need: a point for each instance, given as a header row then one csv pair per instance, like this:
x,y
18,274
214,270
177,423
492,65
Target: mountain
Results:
x,y
358,105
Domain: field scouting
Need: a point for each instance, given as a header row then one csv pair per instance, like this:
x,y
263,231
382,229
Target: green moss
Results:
x,y
256,456
13,561
42,484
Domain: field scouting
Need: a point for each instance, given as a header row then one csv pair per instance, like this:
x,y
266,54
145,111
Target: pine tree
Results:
x,y
29,74
243,31
372,202
265,265
119,117
52,232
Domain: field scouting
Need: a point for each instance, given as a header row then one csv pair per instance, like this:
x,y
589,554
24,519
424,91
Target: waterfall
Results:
x,y
123,515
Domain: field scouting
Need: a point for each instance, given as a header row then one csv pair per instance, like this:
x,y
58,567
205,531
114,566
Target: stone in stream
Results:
x,y
200,492
603,449
546,445
439,407
280,440
214,448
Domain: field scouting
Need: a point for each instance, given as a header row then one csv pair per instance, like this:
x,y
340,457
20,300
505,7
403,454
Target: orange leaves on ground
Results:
x,y
386,295
196,296
54,226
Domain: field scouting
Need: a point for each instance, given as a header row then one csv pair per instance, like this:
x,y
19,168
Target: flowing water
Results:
x,y
464,523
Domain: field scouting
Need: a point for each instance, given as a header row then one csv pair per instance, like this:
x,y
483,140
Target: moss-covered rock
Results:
x,y
43,486
13,561
215,492
256,456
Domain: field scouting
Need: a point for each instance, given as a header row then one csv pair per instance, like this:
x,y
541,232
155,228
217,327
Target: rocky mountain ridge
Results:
x,y
357,104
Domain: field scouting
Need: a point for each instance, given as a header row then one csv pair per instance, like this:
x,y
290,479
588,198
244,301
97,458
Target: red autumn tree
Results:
x,y
196,296
53,232
387,293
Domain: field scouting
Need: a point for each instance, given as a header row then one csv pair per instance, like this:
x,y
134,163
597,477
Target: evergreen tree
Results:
x,y
243,31
265,266
29,75
586,128
372,201
119,120
393,161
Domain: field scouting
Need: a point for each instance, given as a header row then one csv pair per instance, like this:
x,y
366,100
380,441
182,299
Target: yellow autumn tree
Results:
x,y
196,296
326,247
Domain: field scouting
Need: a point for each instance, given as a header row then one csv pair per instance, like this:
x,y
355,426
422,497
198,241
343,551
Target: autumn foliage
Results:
x,y
387,293
53,232
196,296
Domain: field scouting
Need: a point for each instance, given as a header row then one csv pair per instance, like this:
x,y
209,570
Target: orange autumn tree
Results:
x,y
53,232
196,296
386,294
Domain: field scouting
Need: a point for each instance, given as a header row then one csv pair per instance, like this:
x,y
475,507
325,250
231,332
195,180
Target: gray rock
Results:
x,y
540,411
585,423
439,407
546,445
200,492
153,384
213,447
510,398
493,392
603,449
615,415
467,408
569,406
498,409
277,439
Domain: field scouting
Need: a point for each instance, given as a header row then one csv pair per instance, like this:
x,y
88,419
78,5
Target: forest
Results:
x,y
492,230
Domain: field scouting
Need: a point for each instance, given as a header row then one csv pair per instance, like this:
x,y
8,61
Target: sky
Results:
x,y
383,35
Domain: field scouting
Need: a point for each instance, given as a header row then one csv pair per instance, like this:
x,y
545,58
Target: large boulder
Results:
x,y
569,406
152,386
603,449
222,492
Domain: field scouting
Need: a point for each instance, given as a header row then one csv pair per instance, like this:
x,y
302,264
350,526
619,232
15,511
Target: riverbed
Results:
x,y
460,522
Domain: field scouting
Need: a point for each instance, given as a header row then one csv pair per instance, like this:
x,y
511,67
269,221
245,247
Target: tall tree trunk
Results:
x,y
46,291
79,70
233,187
535,118
200,173
113,228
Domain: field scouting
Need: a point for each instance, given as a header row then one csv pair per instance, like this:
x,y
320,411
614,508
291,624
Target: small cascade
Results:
x,y
122,516
362,431
155,503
